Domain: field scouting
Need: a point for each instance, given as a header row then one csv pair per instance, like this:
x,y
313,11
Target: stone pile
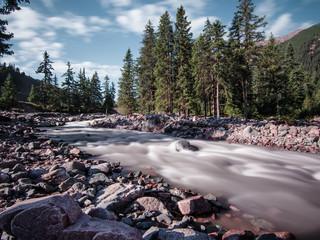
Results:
x,y
302,137
50,190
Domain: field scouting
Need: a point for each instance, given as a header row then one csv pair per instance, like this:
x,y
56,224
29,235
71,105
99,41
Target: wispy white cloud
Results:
x,y
99,21
48,3
115,3
268,8
284,25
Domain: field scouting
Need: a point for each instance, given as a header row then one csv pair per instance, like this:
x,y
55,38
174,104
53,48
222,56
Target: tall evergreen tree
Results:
x,y
164,69
183,54
271,82
109,95
218,48
245,33
8,93
95,92
7,6
127,89
67,85
46,68
145,71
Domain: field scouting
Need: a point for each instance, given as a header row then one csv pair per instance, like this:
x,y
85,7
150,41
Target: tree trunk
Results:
x,y
217,100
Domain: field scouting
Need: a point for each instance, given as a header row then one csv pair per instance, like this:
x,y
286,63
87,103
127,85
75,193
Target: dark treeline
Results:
x,y
216,74
78,94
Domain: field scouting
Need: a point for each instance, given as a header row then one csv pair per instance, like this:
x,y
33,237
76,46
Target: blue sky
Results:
x,y
96,34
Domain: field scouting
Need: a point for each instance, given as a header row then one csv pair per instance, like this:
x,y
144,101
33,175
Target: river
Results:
x,y
279,188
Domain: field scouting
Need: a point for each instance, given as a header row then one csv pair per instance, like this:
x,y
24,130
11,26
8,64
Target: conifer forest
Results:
x,y
221,72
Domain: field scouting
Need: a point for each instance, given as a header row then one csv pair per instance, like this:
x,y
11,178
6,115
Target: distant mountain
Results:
x,y
21,81
307,47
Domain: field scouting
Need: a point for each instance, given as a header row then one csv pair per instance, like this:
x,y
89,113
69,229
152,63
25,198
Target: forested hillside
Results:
x,y
21,81
307,48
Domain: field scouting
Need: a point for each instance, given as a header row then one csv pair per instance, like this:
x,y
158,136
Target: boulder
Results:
x,y
277,236
56,176
41,218
74,165
185,145
238,235
105,168
150,204
98,229
118,196
194,205
182,233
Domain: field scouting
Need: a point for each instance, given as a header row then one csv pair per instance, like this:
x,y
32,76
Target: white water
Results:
x,y
281,187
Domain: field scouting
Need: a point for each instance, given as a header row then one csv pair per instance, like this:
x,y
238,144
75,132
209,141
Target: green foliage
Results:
x,y
109,96
95,92
68,86
8,92
7,6
164,69
46,68
145,71
184,91
127,89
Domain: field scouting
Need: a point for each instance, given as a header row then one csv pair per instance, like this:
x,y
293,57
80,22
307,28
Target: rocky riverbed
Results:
x,y
50,190
302,137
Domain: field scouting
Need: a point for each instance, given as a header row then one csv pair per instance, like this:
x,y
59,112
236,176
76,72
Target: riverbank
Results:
x,y
302,137
34,167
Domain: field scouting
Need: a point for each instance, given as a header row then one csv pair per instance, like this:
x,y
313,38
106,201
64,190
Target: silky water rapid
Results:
x,y
279,188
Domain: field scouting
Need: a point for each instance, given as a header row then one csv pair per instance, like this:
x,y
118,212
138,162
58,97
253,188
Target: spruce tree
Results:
x,y
33,95
218,49
183,54
127,88
109,95
7,6
8,93
164,69
46,68
145,71
245,33
95,92
271,81
67,85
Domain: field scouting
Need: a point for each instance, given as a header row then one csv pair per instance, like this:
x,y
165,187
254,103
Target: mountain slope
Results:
x,y
307,48
21,81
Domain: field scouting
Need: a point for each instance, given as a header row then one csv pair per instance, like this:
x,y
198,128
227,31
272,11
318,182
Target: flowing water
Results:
x,y
281,187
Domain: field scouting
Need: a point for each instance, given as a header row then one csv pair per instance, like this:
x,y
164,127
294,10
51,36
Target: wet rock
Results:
x,y
4,177
185,145
42,218
238,235
37,172
98,229
99,179
75,151
118,196
65,185
194,205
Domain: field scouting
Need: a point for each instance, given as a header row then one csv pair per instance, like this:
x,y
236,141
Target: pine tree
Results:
x,y
245,34
46,68
145,71
68,85
8,92
164,69
271,81
33,95
183,54
109,95
82,97
7,6
127,88
95,92
218,48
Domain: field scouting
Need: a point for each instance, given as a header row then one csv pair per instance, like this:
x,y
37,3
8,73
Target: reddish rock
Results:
x,y
75,151
150,204
238,235
56,176
285,235
194,205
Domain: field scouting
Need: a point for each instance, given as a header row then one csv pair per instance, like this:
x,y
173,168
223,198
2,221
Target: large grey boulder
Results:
x,y
185,145
118,196
42,218
97,229
175,234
